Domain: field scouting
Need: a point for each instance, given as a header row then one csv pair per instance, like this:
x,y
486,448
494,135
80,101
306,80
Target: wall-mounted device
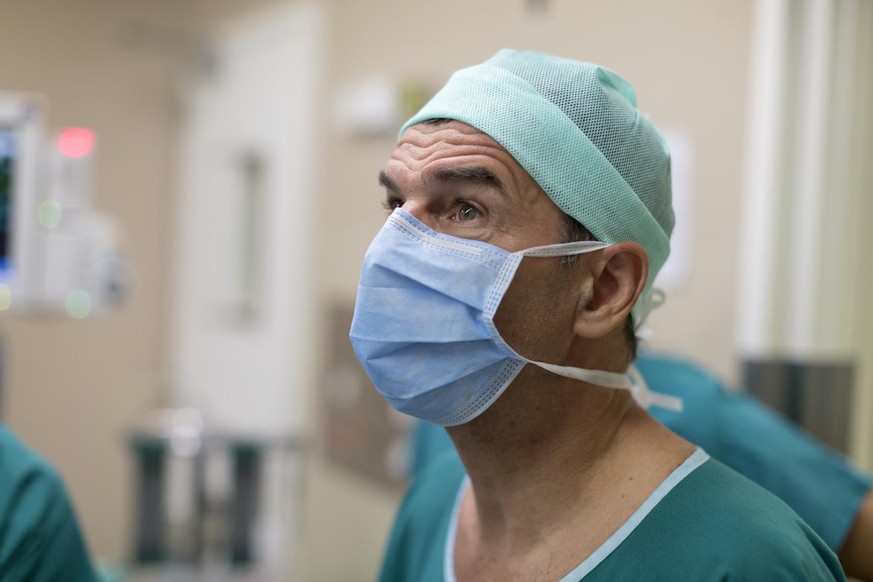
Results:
x,y
57,253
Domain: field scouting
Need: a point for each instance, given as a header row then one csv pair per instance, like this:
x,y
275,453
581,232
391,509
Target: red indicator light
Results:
x,y
76,142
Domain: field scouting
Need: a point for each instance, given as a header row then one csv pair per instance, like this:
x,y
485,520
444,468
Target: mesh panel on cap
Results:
x,y
602,105
574,128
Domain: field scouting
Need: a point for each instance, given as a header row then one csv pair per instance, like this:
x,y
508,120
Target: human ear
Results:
x,y
619,275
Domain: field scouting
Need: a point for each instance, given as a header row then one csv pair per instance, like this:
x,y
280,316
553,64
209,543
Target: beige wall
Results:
x,y
72,387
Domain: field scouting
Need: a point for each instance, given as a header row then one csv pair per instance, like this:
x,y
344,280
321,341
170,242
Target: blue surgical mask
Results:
x,y
424,328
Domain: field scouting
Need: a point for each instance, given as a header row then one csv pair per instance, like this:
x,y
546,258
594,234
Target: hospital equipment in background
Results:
x,y
212,504
57,253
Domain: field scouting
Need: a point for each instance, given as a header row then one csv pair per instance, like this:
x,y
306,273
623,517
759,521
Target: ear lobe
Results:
x,y
619,277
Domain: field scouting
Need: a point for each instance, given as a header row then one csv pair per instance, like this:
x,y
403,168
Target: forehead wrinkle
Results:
x,y
419,140
422,145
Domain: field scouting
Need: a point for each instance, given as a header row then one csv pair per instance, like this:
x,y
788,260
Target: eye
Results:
x,y
465,211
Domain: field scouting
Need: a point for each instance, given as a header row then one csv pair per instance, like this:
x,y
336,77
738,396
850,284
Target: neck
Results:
x,y
550,449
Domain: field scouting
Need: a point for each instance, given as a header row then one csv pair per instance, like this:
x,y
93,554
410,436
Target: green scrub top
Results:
x,y
40,539
704,523
740,432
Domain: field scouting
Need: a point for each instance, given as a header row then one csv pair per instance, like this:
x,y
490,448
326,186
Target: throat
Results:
x,y
546,492
532,452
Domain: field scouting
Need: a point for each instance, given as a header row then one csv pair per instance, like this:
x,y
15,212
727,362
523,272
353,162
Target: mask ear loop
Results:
x,y
646,398
632,380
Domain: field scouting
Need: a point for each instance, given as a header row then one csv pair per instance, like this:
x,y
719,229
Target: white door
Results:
x,y
242,331
241,348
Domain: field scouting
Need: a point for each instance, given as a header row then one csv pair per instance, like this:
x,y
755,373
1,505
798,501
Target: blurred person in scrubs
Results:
x,y
530,214
40,540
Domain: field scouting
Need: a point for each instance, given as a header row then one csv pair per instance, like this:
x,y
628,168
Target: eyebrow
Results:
x,y
471,175
465,174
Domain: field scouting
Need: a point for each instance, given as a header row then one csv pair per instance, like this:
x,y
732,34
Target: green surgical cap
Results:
x,y
575,128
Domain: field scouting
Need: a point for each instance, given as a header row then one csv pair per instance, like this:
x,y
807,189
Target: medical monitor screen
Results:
x,y
7,178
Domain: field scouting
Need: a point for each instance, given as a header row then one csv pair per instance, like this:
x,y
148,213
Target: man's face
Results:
x,y
460,182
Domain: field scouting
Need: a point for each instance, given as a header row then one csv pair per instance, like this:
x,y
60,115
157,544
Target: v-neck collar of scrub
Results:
x,y
695,460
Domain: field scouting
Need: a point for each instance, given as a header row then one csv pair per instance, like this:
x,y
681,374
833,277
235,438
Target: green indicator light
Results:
x,y
49,214
78,304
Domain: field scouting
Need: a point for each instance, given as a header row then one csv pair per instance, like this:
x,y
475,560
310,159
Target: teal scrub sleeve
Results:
x,y
40,540
817,483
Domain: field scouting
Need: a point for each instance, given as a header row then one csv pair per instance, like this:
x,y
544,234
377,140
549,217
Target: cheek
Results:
x,y
536,314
